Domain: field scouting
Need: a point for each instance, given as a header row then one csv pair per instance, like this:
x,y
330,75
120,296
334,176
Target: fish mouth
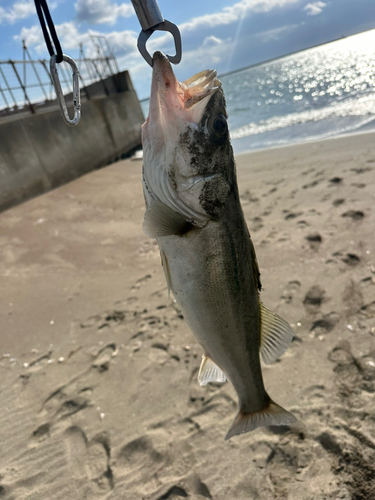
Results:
x,y
199,86
169,96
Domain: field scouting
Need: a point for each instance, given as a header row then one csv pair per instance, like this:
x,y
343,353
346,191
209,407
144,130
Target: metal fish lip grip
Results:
x,y
151,20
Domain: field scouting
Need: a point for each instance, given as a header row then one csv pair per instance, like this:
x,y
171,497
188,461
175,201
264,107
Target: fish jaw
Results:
x,y
171,99
167,95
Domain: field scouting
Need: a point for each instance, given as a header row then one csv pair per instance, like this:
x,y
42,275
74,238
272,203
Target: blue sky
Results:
x,y
221,34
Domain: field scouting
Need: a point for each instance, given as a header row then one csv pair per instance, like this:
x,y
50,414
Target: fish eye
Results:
x,y
220,125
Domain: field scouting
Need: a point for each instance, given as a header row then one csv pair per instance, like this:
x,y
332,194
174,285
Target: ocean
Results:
x,y
314,94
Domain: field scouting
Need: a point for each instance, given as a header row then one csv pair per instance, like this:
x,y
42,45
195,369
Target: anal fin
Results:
x,y
210,372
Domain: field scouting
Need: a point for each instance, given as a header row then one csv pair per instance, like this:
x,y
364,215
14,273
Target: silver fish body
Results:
x,y
194,211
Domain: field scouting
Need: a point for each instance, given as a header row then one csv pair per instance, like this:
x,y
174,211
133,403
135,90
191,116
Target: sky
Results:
x,y
221,34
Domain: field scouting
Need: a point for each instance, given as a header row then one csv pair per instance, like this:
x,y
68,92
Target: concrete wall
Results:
x,y
39,152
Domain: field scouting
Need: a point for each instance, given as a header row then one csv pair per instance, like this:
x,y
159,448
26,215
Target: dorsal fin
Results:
x,y
210,372
160,220
275,336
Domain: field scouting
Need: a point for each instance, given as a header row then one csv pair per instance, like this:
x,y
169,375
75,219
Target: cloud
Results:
x,y
102,11
33,38
211,41
314,8
19,10
274,34
122,42
216,51
236,12
213,50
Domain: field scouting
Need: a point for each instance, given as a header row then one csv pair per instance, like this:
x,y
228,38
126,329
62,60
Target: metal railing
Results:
x,y
26,84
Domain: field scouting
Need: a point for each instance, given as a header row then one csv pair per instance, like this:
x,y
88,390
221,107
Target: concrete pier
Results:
x,y
39,151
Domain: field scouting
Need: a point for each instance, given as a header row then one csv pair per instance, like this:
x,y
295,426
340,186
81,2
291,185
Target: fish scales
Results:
x,y
218,296
193,209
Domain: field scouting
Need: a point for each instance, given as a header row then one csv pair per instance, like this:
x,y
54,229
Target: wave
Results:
x,y
361,107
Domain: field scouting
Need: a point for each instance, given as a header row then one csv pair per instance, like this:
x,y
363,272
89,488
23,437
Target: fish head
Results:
x,y
186,146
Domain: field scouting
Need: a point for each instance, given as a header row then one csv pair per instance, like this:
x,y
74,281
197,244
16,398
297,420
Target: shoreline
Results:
x,y
307,141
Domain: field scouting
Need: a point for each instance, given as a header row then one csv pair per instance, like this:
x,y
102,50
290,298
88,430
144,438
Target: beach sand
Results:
x,y
98,371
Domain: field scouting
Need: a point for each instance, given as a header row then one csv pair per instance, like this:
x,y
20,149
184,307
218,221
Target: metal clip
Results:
x,y
151,19
59,92
164,26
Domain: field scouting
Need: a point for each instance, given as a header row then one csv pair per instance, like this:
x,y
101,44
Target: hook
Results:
x,y
59,92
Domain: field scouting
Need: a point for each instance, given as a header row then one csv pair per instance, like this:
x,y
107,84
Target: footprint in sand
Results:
x,y
292,215
314,240
256,224
141,281
368,310
249,197
191,486
290,291
312,395
76,443
89,461
311,184
362,170
352,298
74,396
314,299
336,180
351,259
354,215
338,202
39,362
325,324
352,371
104,357
41,433
172,493
107,319
149,452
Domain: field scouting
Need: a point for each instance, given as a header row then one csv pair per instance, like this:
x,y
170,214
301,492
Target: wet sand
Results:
x,y
98,371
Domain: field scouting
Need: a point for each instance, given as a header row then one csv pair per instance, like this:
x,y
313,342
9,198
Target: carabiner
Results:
x,y
59,93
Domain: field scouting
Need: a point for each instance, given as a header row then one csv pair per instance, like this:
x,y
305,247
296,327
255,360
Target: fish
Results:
x,y
193,210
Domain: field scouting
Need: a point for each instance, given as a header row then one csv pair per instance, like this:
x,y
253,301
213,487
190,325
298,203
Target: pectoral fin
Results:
x,y
160,220
210,372
275,335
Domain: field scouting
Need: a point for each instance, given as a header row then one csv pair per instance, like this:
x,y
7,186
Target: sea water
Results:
x,y
317,93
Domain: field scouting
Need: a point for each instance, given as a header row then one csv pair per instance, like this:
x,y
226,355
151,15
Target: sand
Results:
x,y
98,371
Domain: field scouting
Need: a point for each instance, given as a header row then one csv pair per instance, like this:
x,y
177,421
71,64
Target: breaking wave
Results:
x,y
363,108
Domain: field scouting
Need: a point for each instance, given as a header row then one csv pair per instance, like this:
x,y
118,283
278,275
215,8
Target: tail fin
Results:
x,y
272,415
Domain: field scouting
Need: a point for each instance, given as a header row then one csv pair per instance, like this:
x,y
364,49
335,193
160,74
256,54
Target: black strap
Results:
x,y
41,6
